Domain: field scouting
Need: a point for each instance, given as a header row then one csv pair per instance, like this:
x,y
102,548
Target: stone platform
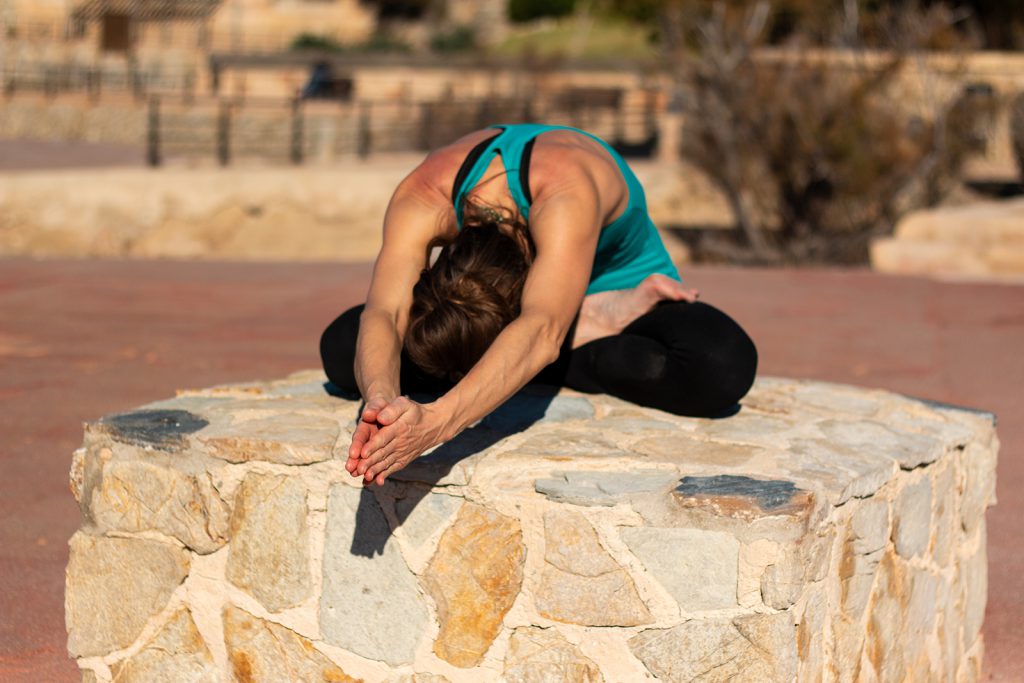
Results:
x,y
823,533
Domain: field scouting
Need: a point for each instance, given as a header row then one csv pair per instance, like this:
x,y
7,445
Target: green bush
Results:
x,y
528,10
457,39
382,42
312,41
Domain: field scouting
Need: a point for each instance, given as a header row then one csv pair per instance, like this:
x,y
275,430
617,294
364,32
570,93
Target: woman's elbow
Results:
x,y
546,339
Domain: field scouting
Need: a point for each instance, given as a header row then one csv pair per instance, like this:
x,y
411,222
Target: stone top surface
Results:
x,y
792,446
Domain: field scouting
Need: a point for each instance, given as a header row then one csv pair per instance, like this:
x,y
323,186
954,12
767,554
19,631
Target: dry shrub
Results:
x,y
1017,131
814,145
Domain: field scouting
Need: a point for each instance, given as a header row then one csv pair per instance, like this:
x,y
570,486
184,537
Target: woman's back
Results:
x,y
540,160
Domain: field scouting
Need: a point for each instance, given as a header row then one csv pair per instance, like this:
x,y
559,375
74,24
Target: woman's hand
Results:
x,y
402,430
365,430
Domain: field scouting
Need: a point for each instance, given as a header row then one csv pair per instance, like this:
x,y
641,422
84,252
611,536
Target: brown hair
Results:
x,y
470,293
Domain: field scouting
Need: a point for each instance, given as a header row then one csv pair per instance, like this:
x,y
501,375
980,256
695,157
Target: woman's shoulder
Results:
x,y
439,168
563,158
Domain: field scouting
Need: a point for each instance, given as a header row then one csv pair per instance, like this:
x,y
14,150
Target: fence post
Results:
x,y
92,81
153,133
364,138
136,79
49,81
298,131
426,124
224,134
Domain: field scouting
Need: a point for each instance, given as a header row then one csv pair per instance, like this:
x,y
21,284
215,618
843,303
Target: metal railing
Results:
x,y
55,78
298,130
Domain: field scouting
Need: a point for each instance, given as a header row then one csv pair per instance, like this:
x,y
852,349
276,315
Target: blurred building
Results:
x,y
147,27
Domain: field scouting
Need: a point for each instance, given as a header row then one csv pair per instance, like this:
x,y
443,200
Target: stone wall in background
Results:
x,y
259,214
978,240
823,533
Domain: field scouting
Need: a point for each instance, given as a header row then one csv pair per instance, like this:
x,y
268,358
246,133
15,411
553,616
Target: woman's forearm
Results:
x,y
525,347
378,356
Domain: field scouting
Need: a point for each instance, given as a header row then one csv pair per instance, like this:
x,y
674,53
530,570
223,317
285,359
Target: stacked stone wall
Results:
x,y
823,533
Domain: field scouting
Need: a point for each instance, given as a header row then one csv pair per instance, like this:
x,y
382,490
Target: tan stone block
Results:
x,y
978,464
951,620
912,515
269,552
754,560
810,639
542,655
176,653
944,515
114,586
752,649
474,577
885,622
580,582
419,678
254,430
139,495
972,578
260,650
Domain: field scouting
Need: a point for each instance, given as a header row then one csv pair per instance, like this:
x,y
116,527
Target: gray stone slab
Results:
x,y
419,516
371,601
908,449
602,488
164,429
768,494
698,568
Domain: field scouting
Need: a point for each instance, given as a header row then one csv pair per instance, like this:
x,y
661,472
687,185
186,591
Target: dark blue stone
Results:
x,y
164,429
769,493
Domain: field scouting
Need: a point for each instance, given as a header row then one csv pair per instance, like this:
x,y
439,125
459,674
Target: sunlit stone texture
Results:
x,y
821,533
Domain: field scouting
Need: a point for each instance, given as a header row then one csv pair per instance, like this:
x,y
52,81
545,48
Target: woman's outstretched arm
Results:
x,y
412,219
565,228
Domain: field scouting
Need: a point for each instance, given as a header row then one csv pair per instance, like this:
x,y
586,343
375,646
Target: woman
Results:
x,y
549,270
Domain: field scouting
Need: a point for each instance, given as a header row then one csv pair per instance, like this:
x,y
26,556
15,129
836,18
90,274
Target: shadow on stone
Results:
x,y
518,414
336,391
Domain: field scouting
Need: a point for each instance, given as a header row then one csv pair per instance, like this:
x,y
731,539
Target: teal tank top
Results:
x,y
628,249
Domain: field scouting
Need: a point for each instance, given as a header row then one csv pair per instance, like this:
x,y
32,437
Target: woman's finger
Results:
x,y
394,410
379,440
367,463
392,468
382,464
364,432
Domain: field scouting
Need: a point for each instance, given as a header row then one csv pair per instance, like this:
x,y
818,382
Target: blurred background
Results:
x,y
790,131
842,176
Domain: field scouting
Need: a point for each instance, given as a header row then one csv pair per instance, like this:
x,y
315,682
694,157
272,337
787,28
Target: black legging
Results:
x,y
686,358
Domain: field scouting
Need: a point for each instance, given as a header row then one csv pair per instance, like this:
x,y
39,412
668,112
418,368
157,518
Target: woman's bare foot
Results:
x,y
608,313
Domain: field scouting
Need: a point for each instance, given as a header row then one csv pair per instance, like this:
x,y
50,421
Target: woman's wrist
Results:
x,y
445,415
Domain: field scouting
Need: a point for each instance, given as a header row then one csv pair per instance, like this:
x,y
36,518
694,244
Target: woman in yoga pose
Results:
x,y
546,268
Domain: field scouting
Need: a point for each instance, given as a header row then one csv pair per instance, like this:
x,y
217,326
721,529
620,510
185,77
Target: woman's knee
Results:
x,y
730,358
338,349
714,353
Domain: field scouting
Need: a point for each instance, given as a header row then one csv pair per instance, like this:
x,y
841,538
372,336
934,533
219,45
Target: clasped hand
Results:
x,y
390,435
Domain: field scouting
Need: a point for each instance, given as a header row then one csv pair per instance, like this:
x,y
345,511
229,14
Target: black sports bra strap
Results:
x,y
467,164
524,169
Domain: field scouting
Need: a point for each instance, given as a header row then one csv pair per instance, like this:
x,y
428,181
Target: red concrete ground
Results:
x,y
81,339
